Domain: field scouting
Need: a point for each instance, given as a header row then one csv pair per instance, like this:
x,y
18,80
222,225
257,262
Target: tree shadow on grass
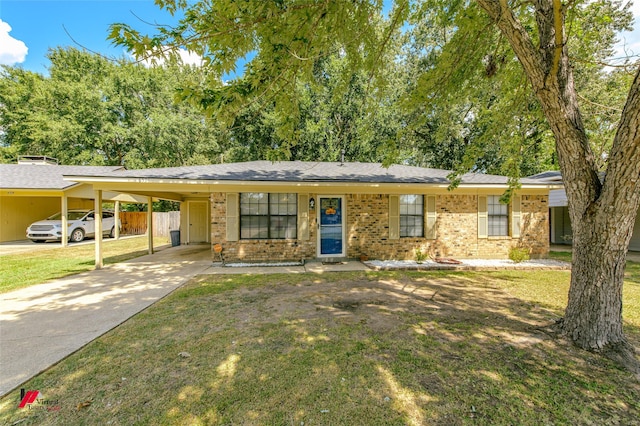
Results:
x,y
385,348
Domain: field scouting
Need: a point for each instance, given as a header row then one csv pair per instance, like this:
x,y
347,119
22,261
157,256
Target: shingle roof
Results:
x,y
548,176
44,176
299,171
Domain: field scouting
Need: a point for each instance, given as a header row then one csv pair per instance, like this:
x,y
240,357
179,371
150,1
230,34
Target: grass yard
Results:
x,y
25,269
365,348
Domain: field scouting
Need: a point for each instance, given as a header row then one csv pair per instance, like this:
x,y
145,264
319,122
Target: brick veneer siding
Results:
x,y
367,232
535,224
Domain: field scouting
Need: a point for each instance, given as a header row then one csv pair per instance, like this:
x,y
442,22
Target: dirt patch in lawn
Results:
x,y
341,348
386,303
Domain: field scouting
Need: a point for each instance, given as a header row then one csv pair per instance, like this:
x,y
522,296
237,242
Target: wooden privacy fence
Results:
x,y
135,223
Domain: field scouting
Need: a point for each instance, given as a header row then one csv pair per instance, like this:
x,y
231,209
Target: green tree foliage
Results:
x,y
327,77
481,110
288,43
298,98
94,111
335,115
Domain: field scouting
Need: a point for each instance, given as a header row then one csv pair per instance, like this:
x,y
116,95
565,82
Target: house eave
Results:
x,y
301,184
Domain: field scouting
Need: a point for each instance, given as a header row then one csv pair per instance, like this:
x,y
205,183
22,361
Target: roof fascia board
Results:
x,y
99,182
22,192
174,192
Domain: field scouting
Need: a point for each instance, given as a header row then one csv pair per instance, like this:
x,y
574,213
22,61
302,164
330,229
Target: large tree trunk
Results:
x,y
593,318
601,235
602,213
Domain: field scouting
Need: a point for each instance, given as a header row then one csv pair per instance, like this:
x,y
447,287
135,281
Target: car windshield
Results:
x,y
70,216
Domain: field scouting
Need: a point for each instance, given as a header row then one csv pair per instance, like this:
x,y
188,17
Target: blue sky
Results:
x,y
40,25
28,28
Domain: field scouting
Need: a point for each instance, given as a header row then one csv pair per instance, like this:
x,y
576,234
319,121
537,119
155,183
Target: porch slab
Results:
x,y
347,266
314,267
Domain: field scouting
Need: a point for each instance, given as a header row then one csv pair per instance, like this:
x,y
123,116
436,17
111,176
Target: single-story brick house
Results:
x,y
271,211
34,189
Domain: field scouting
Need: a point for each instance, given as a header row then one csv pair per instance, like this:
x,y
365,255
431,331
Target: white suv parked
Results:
x,y
81,224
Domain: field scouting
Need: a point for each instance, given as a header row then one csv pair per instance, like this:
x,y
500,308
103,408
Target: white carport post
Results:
x,y
98,227
65,222
150,223
116,214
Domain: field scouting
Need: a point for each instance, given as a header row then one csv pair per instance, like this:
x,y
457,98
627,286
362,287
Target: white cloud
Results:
x,y
190,58
12,51
186,57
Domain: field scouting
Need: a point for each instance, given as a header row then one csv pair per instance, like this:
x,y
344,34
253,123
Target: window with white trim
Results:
x,y
498,217
268,216
411,216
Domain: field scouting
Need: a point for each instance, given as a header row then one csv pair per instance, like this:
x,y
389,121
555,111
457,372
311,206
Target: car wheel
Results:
x,y
38,241
112,233
77,235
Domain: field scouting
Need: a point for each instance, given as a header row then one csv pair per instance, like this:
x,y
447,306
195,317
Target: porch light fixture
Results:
x,y
312,203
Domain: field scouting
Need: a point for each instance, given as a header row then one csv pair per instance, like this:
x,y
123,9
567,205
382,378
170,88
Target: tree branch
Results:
x,y
558,30
623,171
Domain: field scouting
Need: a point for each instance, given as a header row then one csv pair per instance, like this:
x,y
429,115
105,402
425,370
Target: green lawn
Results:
x,y
25,269
631,308
364,348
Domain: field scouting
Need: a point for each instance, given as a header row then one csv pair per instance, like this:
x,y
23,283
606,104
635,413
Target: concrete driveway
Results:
x,y
43,324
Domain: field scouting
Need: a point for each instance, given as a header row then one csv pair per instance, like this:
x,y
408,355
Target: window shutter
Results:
x,y
516,206
483,217
430,218
394,217
233,228
303,216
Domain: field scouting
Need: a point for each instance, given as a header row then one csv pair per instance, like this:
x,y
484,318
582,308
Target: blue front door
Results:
x,y
331,232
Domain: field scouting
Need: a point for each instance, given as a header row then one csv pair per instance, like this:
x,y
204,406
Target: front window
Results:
x,y
268,216
498,217
411,216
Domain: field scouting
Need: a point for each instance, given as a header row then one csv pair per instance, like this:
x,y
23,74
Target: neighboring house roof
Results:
x,y
551,176
557,197
299,171
45,176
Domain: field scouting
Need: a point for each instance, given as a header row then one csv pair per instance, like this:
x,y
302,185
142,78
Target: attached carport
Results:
x,y
194,199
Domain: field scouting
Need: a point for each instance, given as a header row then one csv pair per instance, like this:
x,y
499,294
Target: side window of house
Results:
x,y
498,216
411,216
268,216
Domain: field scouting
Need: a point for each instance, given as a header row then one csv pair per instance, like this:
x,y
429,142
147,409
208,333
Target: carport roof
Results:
x,y
300,171
45,176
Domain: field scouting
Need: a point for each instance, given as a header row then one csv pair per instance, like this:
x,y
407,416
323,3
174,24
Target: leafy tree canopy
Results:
x,y
95,111
460,82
